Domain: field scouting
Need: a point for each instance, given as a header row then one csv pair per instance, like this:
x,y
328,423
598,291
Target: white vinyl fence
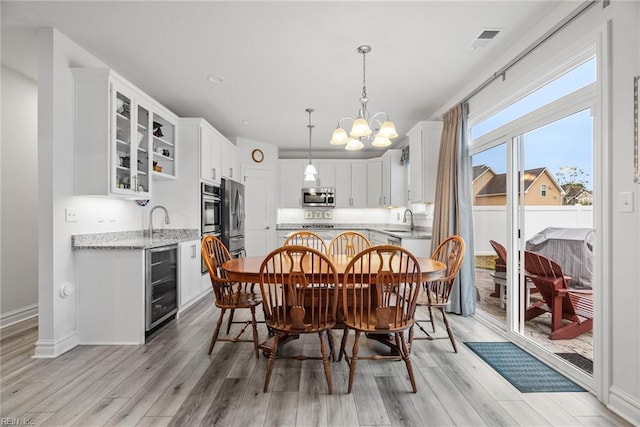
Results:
x,y
489,222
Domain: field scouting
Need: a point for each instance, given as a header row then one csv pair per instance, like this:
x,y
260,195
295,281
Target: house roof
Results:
x,y
498,184
479,170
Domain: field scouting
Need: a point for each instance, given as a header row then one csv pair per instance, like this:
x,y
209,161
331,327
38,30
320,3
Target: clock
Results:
x,y
257,155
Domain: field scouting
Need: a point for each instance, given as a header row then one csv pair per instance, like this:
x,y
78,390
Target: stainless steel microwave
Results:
x,y
319,197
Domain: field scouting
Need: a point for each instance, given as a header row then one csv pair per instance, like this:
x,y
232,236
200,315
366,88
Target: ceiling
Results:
x,y
278,58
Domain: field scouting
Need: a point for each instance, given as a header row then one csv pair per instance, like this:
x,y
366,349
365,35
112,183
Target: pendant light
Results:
x,y
310,172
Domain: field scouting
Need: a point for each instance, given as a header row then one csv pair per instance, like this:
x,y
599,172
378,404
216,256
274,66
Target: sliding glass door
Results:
x,y
533,180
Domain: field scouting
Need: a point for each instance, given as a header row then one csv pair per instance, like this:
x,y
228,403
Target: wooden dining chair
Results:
x,y
228,295
436,293
380,287
299,288
307,238
348,243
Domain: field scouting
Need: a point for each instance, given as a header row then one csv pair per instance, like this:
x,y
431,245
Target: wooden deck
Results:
x,y
171,381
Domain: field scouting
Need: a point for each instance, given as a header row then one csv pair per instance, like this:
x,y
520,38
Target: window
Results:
x,y
543,190
569,82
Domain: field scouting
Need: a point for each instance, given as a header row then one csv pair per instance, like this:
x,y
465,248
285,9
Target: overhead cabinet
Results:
x,y
351,185
424,149
114,128
386,183
230,160
291,183
210,154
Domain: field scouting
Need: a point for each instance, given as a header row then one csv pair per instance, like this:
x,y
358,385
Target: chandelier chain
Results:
x,y
364,77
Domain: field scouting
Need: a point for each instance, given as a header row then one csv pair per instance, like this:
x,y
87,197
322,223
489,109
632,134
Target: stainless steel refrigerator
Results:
x,y
233,217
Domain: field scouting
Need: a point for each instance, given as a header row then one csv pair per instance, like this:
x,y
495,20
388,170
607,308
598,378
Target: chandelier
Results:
x,y
310,172
377,129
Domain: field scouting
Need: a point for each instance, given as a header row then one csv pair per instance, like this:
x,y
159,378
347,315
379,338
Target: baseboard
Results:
x,y
50,349
19,315
191,303
625,405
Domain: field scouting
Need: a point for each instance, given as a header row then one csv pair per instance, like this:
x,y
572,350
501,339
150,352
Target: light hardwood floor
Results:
x,y
171,381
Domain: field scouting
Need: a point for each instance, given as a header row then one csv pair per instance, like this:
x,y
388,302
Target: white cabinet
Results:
x,y
230,161
394,182
210,154
113,127
351,185
291,182
374,183
418,247
164,144
189,270
424,149
326,173
377,238
386,181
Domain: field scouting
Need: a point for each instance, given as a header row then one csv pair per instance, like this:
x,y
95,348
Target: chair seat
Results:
x,y
370,323
239,300
436,300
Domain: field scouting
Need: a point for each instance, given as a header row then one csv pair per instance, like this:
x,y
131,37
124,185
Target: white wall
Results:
x,y
56,262
19,280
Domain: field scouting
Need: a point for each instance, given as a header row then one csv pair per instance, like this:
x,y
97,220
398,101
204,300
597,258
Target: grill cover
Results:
x,y
572,248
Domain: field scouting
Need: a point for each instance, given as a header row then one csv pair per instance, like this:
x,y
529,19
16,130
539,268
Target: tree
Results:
x,y
572,176
573,181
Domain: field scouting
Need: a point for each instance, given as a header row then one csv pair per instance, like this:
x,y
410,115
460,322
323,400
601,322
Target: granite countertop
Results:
x,y
395,230
135,239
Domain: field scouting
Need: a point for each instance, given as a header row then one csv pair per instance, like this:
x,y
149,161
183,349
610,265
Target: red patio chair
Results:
x,y
571,309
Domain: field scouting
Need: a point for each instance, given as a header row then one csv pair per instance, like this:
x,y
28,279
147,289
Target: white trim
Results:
x,y
602,338
19,315
50,349
190,304
625,405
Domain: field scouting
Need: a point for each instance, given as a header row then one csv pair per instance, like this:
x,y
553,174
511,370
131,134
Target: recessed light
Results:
x,y
247,122
215,79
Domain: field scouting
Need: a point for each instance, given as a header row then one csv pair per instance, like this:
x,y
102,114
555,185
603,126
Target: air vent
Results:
x,y
484,38
488,34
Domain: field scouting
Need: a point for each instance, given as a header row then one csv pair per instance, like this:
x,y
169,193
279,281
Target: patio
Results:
x,y
537,330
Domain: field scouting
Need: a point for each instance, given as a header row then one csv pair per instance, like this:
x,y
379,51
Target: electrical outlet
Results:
x,y
308,214
317,214
71,215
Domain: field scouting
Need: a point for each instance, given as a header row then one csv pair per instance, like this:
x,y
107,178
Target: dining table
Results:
x,y
247,270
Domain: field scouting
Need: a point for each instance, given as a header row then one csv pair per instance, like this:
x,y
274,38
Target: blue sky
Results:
x,y
566,142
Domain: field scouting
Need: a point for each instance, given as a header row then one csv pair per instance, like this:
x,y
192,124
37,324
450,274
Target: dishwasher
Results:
x,y
161,290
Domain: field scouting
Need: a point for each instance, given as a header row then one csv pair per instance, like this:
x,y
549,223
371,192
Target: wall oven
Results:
x,y
211,203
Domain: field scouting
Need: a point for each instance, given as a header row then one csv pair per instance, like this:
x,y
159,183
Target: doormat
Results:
x,y
578,360
522,370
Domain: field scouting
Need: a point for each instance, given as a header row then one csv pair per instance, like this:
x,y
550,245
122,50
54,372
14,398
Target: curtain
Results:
x,y
453,205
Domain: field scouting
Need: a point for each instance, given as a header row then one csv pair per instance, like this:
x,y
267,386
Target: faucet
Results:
x,y
166,218
404,218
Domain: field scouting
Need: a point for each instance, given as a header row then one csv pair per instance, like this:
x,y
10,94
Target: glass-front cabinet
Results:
x,y
132,168
123,137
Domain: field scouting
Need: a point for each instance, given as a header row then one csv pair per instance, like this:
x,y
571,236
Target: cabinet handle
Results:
x,y
299,202
193,251
267,227
384,200
230,172
213,173
379,201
